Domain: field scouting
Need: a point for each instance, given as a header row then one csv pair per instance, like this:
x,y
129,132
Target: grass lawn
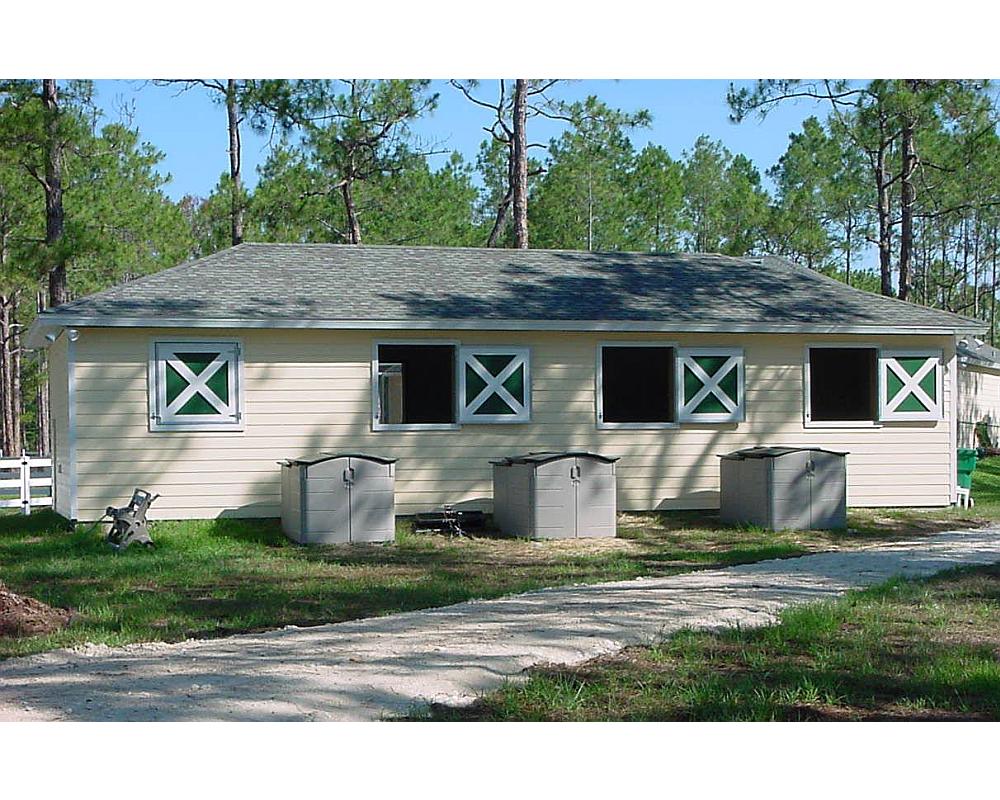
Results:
x,y
905,650
219,577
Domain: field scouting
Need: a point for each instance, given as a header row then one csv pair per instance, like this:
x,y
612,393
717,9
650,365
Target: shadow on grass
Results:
x,y
904,650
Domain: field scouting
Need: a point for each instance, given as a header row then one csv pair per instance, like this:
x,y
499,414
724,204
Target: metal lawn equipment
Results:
x,y
450,520
128,524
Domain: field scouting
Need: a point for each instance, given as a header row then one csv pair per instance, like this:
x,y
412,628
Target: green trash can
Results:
x,y
966,466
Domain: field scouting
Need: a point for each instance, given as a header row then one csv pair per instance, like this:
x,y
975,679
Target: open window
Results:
x,y
636,386
415,385
195,386
842,385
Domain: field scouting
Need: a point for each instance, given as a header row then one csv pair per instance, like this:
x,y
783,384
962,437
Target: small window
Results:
x,y
710,384
843,384
494,384
911,386
636,385
415,384
195,386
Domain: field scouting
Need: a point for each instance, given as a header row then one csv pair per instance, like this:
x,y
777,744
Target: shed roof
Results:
x,y
366,286
976,351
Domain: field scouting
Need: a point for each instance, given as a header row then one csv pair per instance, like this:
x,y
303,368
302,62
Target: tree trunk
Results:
x,y
353,225
9,443
235,159
993,292
884,212
54,216
519,151
503,210
848,243
590,211
43,394
906,197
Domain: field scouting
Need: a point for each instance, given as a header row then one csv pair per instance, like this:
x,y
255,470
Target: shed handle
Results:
x,y
349,476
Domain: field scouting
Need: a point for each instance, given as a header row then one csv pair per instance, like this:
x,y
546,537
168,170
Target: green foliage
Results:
x,y
655,196
725,207
579,204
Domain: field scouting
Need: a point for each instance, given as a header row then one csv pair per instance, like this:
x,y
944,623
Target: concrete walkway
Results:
x,y
374,668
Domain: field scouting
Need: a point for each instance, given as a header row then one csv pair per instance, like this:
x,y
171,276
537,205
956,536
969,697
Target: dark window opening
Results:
x,y
637,384
416,384
843,384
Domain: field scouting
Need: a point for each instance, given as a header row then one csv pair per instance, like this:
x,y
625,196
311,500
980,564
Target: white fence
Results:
x,y
20,477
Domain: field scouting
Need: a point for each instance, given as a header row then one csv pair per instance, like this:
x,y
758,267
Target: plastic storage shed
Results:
x,y
555,495
341,497
782,488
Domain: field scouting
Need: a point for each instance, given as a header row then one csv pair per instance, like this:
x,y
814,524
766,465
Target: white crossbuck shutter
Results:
x,y
710,384
494,384
910,386
195,386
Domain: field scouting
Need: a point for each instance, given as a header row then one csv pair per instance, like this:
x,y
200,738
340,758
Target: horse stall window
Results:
x,y
416,384
843,384
637,385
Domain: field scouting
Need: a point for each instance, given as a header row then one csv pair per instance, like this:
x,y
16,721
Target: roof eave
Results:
x,y
46,327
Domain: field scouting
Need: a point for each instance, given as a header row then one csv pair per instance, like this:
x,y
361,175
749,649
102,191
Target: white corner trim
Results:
x,y
70,424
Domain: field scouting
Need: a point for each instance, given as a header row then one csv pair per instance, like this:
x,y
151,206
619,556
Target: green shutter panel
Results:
x,y
494,384
710,384
910,386
195,386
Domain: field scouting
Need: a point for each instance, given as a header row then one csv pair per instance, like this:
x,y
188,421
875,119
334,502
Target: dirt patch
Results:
x,y
25,616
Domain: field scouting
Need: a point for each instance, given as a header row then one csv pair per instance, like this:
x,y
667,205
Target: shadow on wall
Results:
x,y
173,462
155,460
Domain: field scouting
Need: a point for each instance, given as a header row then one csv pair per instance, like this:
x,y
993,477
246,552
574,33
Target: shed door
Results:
x,y
372,501
555,499
595,498
791,484
828,489
328,509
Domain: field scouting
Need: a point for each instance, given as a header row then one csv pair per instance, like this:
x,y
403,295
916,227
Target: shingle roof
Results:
x,y
304,284
977,350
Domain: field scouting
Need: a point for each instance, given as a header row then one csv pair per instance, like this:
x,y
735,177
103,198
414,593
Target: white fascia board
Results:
x,y
52,323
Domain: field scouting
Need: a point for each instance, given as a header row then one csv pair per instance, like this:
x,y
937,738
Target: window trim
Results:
x,y
935,416
712,418
412,426
154,384
517,350
599,388
807,421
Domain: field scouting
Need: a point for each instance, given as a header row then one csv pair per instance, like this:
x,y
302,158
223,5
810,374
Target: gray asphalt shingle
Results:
x,y
318,282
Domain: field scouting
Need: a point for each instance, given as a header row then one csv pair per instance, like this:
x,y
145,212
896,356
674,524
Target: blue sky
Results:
x,y
190,128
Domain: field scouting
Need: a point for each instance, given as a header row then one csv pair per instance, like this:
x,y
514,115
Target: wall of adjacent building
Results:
x,y
978,401
308,391
61,451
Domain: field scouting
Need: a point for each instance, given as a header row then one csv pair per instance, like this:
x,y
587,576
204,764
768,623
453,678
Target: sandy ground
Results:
x,y
377,668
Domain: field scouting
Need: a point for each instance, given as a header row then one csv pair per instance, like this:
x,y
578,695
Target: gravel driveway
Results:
x,y
373,668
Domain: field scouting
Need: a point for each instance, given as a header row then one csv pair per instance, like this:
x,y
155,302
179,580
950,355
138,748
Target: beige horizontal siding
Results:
x,y
978,401
309,391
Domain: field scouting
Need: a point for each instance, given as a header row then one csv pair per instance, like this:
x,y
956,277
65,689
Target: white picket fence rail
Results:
x,y
25,482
